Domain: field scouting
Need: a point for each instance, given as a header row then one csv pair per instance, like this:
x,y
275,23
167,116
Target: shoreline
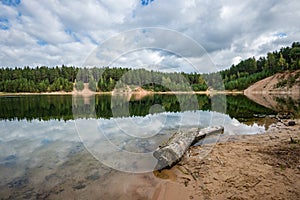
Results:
x,y
145,93
118,93
89,93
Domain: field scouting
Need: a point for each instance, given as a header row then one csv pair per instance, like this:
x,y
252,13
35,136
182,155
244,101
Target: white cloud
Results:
x,y
236,60
59,32
42,24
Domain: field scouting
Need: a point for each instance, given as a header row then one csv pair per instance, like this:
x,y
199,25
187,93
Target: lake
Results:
x,y
64,146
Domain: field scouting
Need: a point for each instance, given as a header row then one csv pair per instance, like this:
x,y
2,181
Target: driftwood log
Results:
x,y
169,153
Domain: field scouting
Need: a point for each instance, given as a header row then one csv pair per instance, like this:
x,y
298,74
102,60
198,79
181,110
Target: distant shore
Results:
x,y
89,93
116,93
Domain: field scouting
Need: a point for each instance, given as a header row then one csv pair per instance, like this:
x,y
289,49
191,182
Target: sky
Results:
x,y
171,35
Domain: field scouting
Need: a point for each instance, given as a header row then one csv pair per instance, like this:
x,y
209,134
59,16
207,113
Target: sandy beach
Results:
x,y
139,92
265,166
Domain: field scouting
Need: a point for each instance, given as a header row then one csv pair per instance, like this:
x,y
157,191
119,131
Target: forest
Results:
x,y
104,79
39,79
45,79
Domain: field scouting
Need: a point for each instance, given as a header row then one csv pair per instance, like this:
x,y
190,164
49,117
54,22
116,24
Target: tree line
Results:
x,y
237,77
122,79
39,79
46,79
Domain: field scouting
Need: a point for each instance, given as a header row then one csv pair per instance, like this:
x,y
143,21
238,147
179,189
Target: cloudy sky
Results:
x,y
56,32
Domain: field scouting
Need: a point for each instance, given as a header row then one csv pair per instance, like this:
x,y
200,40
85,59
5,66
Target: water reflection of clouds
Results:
x,y
32,141
234,127
23,138
133,138
123,127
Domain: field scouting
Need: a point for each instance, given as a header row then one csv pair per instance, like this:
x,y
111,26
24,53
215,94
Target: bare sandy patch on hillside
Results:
x,y
269,84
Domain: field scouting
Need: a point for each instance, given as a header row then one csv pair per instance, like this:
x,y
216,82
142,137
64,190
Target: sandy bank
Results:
x,y
270,85
265,166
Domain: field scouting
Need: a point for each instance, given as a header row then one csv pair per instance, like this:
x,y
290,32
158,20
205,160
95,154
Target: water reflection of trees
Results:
x,y
240,107
36,107
288,104
43,107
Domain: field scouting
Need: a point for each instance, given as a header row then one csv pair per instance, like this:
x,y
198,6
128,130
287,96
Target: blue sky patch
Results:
x,y
11,2
72,34
281,35
4,24
46,141
146,2
93,40
42,42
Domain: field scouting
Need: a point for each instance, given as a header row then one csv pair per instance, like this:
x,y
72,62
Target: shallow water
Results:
x,y
48,150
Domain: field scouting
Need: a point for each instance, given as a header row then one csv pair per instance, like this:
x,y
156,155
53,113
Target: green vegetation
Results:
x,y
150,80
282,83
92,85
44,79
79,85
289,82
237,77
40,79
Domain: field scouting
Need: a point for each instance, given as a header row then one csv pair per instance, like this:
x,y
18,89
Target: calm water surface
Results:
x,y
59,146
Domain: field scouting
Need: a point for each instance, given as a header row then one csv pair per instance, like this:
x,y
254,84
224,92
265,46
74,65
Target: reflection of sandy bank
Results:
x,y
136,94
86,93
139,93
272,101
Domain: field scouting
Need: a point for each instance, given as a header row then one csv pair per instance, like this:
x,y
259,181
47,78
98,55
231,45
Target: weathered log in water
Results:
x,y
169,153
